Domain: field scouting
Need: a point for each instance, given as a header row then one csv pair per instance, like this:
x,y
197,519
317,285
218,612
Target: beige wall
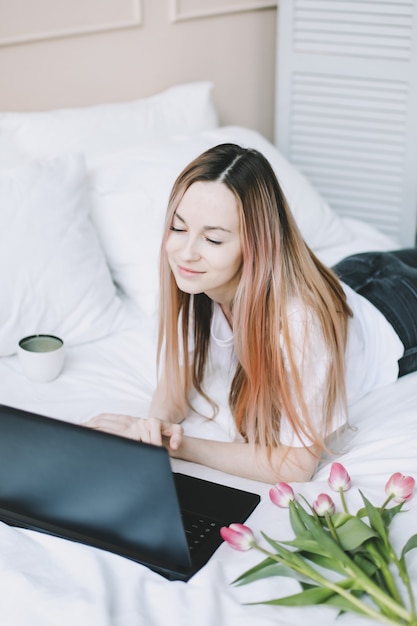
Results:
x,y
137,48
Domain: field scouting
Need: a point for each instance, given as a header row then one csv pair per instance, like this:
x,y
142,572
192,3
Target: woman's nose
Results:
x,y
190,250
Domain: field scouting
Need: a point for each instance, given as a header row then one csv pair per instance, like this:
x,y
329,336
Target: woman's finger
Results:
x,y
149,430
107,419
174,434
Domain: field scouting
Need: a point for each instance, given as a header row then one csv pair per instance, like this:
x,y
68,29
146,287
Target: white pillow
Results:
x,y
53,274
105,128
130,191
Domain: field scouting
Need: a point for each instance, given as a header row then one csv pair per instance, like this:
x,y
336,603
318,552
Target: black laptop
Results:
x,y
112,493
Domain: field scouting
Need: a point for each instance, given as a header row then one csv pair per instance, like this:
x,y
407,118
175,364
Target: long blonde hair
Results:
x,y
277,266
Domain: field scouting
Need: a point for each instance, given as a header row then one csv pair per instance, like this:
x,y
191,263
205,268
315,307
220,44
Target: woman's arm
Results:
x,y
250,461
162,407
241,459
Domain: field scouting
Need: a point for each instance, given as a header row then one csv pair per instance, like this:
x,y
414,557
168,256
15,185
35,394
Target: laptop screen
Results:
x,y
110,492
90,486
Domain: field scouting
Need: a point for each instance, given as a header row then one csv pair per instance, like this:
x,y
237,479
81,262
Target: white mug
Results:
x,y
41,356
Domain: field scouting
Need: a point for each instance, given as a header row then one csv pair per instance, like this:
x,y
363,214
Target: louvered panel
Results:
x,y
400,17
347,110
388,185
347,145
387,96
322,138
383,159
374,29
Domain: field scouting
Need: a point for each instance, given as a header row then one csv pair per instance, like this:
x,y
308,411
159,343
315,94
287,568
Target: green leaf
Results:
x,y
265,564
389,514
341,518
306,544
328,597
361,512
344,605
306,586
353,533
375,519
274,543
329,546
410,545
295,520
386,514
326,562
290,556
365,564
296,561
383,549
314,595
320,595
266,569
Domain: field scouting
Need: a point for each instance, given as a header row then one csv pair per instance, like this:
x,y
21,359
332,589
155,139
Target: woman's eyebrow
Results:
x,y
226,230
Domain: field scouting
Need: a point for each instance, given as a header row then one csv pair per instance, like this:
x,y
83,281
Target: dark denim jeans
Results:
x,y
389,281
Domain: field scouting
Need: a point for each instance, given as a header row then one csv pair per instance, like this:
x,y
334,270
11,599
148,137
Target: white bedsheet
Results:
x,y
48,581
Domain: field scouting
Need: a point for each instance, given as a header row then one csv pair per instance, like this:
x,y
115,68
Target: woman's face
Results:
x,y
204,246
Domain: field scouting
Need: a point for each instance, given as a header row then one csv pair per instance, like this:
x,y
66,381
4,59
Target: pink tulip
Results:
x,y
239,536
339,479
281,495
324,505
400,487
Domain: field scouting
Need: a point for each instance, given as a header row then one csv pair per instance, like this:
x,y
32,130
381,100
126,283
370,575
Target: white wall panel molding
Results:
x,y
346,105
182,10
22,22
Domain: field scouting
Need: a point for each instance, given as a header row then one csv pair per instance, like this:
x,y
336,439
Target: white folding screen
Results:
x,y
346,105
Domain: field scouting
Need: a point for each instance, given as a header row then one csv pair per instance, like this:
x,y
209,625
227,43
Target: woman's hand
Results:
x,y
150,430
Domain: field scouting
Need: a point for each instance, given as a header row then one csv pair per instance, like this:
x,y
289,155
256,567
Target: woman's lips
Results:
x,y
185,271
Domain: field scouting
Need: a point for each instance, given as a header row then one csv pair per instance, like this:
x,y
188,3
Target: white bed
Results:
x,y
94,282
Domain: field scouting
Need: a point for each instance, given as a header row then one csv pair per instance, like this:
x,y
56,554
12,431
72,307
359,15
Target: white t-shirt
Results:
x,y
372,352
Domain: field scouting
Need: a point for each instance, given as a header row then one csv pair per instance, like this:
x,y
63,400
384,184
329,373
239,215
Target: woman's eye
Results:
x,y
175,229
215,243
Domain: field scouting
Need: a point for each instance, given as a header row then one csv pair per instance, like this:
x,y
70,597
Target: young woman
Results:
x,y
241,291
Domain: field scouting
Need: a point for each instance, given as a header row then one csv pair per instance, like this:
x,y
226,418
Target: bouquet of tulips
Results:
x,y
366,575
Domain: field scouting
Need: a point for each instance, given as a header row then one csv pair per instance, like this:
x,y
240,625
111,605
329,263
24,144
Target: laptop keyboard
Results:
x,y
198,529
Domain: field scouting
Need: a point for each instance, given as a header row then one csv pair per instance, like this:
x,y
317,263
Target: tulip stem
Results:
x,y
387,501
402,569
343,500
411,597
331,527
385,571
339,590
